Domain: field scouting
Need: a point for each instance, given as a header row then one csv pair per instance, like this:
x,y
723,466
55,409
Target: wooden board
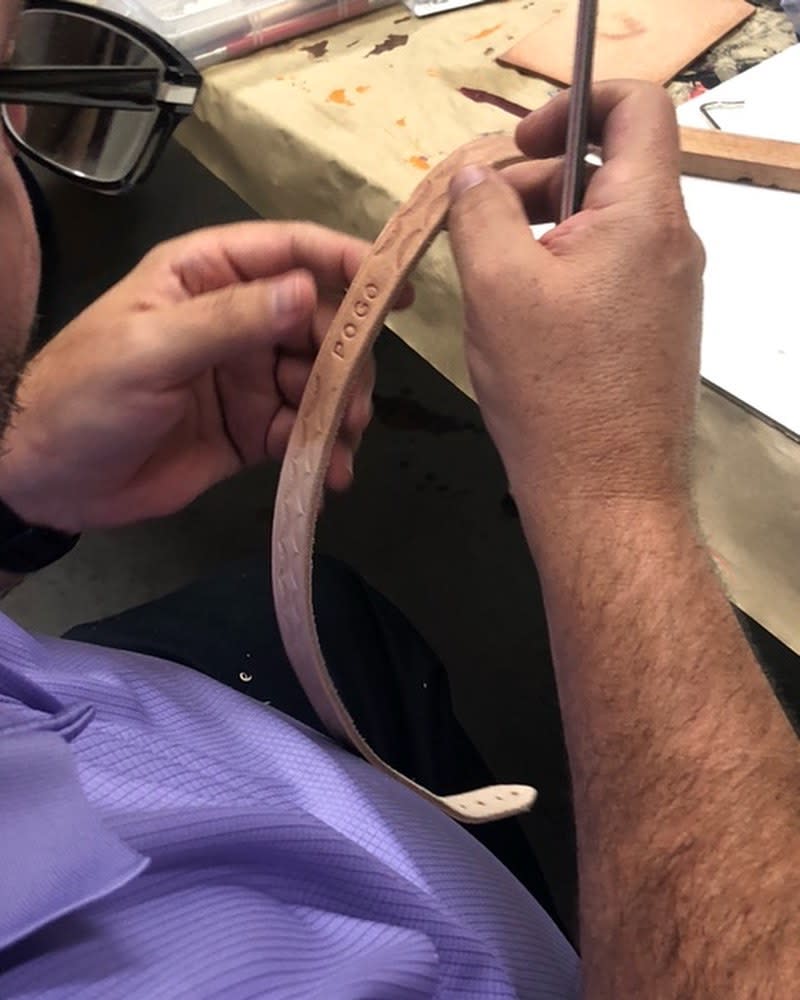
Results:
x,y
724,156
636,39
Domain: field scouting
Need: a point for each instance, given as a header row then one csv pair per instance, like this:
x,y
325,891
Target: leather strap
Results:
x,y
346,346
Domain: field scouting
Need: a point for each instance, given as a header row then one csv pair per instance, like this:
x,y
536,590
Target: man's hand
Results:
x,y
584,347
685,772
188,370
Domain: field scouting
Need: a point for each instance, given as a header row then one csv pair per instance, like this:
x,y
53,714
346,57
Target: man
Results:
x,y
164,836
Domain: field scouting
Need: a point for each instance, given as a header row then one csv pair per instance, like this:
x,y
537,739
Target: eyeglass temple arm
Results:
x,y
119,87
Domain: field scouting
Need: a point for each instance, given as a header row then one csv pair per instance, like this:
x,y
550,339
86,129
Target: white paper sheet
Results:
x,y
751,332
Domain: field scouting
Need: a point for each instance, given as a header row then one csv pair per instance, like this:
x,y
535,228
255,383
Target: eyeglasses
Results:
x,y
93,95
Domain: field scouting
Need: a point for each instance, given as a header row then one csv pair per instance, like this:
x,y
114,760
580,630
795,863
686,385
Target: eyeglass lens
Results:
x,y
99,143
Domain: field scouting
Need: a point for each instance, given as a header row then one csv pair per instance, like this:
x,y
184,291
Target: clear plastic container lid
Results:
x,y
209,31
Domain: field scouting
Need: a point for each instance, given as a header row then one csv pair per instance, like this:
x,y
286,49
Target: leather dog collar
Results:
x,y
346,346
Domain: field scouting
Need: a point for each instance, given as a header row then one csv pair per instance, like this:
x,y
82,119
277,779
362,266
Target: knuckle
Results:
x,y
680,237
652,92
680,250
137,342
666,228
697,252
161,253
640,91
136,331
482,200
226,303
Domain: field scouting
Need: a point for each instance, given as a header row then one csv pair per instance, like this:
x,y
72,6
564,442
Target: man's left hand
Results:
x,y
188,370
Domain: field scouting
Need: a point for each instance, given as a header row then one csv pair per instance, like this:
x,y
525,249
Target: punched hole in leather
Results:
x,y
346,347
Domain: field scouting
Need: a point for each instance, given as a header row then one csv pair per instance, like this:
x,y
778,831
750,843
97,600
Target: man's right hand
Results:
x,y
685,772
584,346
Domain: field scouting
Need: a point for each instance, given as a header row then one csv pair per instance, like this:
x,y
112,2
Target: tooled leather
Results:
x,y
343,352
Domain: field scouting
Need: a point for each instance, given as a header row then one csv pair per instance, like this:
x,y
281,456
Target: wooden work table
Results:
x,y
340,126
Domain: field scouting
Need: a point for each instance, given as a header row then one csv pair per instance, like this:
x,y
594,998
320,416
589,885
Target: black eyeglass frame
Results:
x,y
171,90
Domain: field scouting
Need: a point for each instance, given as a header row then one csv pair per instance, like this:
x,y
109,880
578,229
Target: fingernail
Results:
x,y
287,299
466,178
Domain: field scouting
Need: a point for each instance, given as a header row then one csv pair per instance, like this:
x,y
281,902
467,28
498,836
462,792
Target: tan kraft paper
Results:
x,y
340,126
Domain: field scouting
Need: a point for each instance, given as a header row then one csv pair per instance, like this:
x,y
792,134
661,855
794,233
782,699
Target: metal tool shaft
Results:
x,y
579,110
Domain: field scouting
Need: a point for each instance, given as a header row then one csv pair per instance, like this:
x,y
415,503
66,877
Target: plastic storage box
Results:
x,y
212,31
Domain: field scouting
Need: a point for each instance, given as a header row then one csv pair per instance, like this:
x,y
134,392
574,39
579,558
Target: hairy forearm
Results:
x,y
686,774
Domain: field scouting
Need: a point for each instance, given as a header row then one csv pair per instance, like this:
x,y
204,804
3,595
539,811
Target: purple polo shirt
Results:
x,y
164,837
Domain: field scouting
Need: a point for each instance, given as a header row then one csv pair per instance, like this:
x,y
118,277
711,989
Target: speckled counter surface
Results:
x,y
765,34
340,126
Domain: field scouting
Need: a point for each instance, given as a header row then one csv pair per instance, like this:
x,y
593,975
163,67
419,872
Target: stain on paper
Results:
x,y
389,43
401,122
485,33
317,50
420,162
362,89
484,97
339,97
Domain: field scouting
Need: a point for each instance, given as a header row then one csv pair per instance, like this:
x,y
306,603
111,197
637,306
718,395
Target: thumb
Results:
x,y
219,326
490,234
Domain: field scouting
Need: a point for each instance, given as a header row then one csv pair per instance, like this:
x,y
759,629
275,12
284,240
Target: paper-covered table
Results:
x,y
340,126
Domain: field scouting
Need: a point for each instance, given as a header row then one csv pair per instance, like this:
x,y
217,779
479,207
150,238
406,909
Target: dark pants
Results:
x,y
393,684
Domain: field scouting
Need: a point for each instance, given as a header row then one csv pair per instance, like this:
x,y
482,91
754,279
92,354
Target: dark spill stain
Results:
x,y
401,414
317,50
389,43
484,97
489,51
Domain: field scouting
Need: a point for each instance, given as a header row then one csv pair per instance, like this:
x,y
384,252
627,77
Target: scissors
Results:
x,y
579,109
